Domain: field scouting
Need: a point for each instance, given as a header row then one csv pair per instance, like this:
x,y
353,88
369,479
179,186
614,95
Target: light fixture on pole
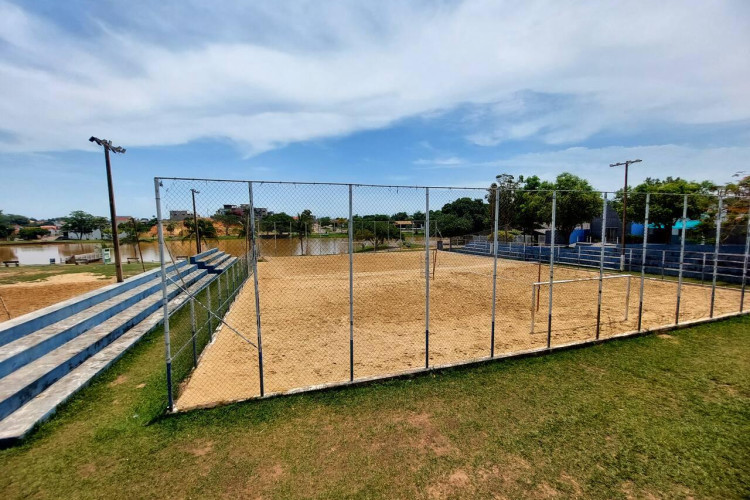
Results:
x,y
107,145
626,164
195,222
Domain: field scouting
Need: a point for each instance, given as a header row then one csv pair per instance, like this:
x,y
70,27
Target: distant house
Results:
x,y
54,231
179,215
120,219
96,234
242,209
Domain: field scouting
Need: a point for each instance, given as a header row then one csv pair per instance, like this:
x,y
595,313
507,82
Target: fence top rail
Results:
x,y
473,188
596,278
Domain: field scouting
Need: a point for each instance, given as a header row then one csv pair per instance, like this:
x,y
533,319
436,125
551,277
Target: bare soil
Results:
x,y
25,297
305,318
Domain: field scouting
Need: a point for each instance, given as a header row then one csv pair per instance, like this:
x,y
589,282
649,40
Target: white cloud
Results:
x,y
275,74
451,161
714,164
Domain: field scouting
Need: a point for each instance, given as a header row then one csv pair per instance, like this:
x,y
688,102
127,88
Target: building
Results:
x,y
613,226
240,210
54,231
179,215
121,219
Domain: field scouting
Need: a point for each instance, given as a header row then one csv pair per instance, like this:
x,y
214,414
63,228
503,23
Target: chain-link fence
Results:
x,y
297,286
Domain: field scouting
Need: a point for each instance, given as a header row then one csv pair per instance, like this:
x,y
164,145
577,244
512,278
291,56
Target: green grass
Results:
x,y
24,274
658,416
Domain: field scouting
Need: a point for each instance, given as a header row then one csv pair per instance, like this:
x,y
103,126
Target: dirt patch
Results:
x,y
430,438
201,448
87,470
544,490
456,484
668,337
121,379
305,318
568,479
23,298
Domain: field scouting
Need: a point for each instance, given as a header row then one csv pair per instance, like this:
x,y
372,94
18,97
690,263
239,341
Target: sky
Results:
x,y
446,93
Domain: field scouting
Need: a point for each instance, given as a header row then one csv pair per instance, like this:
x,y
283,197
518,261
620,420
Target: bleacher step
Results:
x,y
18,424
34,345
23,384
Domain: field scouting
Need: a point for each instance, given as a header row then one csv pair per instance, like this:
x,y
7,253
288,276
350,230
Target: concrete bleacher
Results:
x,y
48,355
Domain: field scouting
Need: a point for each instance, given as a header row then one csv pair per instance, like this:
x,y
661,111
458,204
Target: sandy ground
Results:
x,y
305,318
22,298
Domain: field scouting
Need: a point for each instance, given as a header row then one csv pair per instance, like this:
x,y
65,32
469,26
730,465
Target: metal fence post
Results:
x,y
627,300
601,266
427,280
351,288
744,262
716,256
219,300
551,268
255,283
533,308
630,260
663,262
703,268
165,296
682,259
194,331
494,272
210,308
643,262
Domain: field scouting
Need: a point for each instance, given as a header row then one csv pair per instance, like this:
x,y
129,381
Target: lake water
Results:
x,y
42,253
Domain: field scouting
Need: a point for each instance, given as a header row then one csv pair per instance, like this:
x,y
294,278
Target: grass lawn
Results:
x,y
10,275
663,416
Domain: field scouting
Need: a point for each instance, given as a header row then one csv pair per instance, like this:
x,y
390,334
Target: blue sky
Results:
x,y
436,93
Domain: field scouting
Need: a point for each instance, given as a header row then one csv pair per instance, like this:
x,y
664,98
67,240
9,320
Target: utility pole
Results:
x,y
195,222
107,145
626,164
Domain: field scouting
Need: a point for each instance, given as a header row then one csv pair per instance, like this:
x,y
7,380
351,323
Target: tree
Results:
x,y
449,225
733,215
364,235
14,219
382,231
280,222
132,229
400,216
302,225
666,204
532,207
577,202
473,210
227,220
734,224
206,229
324,221
508,209
170,228
32,233
82,223
6,229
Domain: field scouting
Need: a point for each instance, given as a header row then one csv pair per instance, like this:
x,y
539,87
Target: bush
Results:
x,y
504,236
32,233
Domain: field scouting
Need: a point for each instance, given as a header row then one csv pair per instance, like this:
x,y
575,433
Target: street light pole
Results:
x,y
624,208
195,222
107,145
